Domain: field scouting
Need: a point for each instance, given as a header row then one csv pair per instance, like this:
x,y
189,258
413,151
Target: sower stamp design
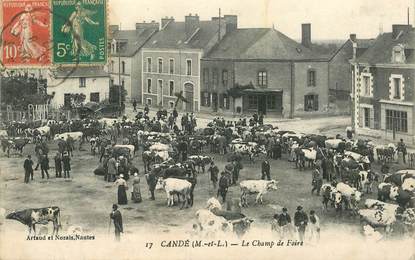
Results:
x,y
79,32
26,33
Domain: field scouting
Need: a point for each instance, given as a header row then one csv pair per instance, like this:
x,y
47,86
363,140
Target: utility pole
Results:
x,y
219,26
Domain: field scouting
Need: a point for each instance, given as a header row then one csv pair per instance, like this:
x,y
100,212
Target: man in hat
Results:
x,y
266,168
317,181
300,221
284,221
28,168
66,161
402,148
116,216
214,170
223,186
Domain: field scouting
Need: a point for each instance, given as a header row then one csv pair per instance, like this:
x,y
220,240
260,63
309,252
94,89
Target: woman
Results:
x,y
136,194
122,187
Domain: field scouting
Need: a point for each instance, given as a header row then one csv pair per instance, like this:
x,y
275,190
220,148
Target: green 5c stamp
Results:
x,y
79,32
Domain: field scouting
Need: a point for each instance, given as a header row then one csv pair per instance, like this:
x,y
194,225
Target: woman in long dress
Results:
x,y
122,187
136,193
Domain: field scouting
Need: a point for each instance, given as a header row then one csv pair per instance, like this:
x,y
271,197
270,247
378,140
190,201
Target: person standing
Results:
x,y
44,166
135,105
122,188
136,193
266,168
28,168
214,171
70,145
317,181
300,221
116,216
223,186
175,114
284,221
112,169
314,225
237,166
402,148
58,165
66,161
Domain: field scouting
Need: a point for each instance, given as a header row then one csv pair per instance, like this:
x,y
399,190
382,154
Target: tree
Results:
x,y
179,96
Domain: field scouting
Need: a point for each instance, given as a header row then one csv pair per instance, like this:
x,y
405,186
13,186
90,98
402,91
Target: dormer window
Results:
x,y
398,54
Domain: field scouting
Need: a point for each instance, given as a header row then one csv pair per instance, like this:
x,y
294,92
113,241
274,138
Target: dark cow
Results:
x,y
200,161
31,217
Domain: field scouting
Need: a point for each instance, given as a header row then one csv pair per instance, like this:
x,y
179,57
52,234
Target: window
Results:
x,y
366,86
160,86
398,54
252,102
225,78
122,83
148,64
189,67
149,86
311,78
272,102
396,120
149,101
226,101
160,67
215,77
311,103
112,66
396,88
206,99
171,88
206,76
94,97
171,66
262,79
82,82
366,117
123,67
67,100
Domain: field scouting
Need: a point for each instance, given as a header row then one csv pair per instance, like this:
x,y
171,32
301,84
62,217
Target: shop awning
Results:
x,y
261,91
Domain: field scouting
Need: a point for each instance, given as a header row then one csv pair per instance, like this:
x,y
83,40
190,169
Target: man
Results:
x,y
135,105
58,165
402,148
317,181
66,161
44,166
184,122
28,168
70,145
223,186
112,169
214,170
283,220
146,110
314,225
117,218
300,221
175,114
237,166
266,170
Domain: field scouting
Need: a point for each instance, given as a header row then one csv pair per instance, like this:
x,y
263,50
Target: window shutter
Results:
x,y
208,101
221,100
316,102
305,103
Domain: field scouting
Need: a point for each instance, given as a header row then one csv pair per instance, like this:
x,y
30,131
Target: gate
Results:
x,y
189,92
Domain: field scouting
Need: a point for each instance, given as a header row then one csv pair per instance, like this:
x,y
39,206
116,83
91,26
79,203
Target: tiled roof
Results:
x,y
135,39
381,50
261,43
76,72
174,36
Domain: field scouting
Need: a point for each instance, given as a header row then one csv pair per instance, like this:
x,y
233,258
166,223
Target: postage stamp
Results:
x,y
26,33
79,34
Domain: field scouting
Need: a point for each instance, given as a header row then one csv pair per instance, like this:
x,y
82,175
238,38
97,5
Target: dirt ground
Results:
x,y
85,200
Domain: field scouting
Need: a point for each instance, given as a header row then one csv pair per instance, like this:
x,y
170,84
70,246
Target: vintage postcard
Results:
x,y
193,129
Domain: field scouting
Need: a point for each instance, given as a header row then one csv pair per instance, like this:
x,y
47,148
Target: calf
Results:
x,y
256,186
200,161
175,186
31,217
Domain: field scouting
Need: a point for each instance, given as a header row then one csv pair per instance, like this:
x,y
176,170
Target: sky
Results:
x,y
335,19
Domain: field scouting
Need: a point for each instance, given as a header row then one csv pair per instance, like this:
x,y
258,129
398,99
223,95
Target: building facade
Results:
x,y
171,61
125,60
93,82
264,71
384,86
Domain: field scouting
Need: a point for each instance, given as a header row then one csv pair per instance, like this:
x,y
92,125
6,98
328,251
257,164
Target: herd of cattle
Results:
x,y
172,161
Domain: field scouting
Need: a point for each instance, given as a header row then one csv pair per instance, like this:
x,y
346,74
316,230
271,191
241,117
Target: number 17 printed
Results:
x,y
26,33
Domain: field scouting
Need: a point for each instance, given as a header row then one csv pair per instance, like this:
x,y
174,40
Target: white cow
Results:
x,y
357,157
161,156
256,186
409,184
107,121
211,225
348,191
213,203
77,136
157,147
310,154
408,171
333,143
3,134
175,186
384,217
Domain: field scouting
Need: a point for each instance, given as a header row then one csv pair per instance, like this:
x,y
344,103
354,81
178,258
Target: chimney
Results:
x,y
166,20
191,23
353,37
231,23
152,25
306,35
397,29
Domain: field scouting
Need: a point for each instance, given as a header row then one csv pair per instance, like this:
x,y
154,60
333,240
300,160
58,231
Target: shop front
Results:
x,y
262,101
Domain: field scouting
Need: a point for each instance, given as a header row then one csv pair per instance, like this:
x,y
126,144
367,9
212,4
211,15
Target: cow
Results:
x,y
210,225
251,149
256,186
31,217
333,143
385,216
409,184
200,161
76,136
387,191
16,144
398,178
351,196
357,157
130,147
366,179
331,194
385,153
3,134
175,186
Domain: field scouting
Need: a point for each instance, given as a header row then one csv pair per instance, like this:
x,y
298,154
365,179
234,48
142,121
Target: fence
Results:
x,y
35,113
